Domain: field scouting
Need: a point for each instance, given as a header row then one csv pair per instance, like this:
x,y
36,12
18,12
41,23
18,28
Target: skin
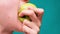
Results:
x,y
9,18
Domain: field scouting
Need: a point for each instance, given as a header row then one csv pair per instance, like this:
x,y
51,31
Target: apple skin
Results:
x,y
23,7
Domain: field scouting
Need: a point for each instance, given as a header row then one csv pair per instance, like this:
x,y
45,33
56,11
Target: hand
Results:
x,y
33,26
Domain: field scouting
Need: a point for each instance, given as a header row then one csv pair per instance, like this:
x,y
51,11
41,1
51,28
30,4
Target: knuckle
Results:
x,y
31,12
28,12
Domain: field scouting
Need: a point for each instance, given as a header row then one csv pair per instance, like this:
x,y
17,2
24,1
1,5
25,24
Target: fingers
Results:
x,y
31,25
28,30
31,14
38,11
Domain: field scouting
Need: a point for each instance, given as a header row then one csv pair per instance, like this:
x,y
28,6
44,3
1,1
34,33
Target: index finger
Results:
x,y
39,12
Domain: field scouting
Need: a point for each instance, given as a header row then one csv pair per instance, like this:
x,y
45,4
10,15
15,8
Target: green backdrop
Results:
x,y
51,17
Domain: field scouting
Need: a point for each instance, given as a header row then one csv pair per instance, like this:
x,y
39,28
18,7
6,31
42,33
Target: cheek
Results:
x,y
8,4
8,17
8,12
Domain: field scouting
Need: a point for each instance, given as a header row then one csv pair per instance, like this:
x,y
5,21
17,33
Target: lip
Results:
x,y
26,0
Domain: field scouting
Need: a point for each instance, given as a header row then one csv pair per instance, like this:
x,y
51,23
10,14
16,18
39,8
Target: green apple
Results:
x,y
23,7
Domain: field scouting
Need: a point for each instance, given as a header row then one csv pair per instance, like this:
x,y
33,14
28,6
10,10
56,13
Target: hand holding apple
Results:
x,y
24,7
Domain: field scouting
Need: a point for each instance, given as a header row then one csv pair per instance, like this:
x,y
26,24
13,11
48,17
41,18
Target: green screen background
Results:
x,y
51,17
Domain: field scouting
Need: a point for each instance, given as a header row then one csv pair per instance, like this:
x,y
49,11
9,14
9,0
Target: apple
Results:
x,y
23,7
